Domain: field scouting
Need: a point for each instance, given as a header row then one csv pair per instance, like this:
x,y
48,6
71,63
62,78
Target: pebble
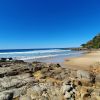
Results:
x,y
67,95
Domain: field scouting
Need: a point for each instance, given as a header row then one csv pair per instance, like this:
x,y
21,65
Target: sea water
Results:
x,y
51,55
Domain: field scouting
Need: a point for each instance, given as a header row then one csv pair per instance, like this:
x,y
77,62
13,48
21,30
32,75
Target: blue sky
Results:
x,y
48,23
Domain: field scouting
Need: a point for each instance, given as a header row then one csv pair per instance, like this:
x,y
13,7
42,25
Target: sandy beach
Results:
x,y
83,62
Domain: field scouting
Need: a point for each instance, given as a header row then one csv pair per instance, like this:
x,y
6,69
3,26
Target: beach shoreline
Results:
x,y
83,62
57,59
43,80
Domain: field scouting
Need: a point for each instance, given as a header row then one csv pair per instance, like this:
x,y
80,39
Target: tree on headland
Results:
x,y
94,43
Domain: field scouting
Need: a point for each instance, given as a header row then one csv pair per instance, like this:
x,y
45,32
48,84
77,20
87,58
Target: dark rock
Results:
x,y
36,62
19,61
80,83
86,95
3,60
12,73
10,97
2,75
10,59
58,65
54,65
92,78
38,66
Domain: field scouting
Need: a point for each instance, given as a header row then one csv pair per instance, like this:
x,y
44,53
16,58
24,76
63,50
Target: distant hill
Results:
x,y
94,43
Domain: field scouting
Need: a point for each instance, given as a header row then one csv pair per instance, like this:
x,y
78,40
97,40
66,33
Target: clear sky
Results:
x,y
48,23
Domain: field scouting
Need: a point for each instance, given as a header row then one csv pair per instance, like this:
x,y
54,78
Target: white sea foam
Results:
x,y
46,56
38,54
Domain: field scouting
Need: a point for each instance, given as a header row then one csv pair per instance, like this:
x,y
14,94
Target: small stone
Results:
x,y
66,88
71,92
74,90
67,95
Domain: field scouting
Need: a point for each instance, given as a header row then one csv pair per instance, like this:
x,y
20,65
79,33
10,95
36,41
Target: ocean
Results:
x,y
44,55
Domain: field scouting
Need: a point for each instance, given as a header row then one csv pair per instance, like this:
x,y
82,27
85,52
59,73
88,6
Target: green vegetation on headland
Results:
x,y
94,43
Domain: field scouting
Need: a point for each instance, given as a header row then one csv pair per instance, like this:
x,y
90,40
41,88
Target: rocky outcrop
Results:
x,y
40,81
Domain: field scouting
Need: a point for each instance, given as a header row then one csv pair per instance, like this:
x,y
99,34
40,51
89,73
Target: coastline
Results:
x,y
21,80
57,59
37,55
84,61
